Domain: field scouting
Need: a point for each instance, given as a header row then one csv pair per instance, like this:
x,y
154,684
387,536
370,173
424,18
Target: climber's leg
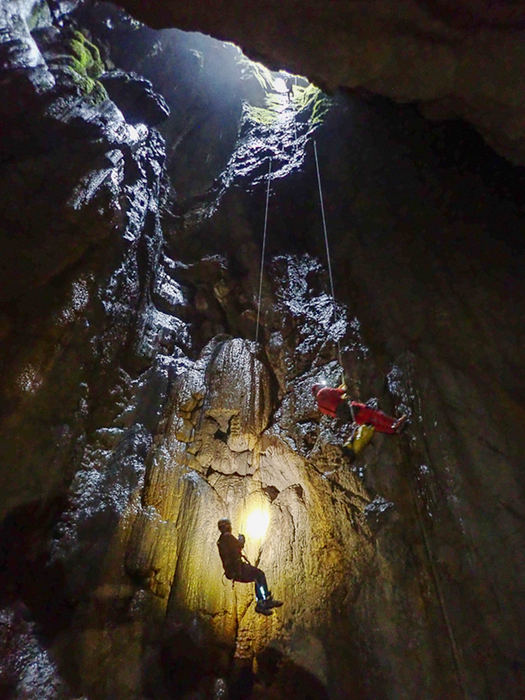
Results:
x,y
381,422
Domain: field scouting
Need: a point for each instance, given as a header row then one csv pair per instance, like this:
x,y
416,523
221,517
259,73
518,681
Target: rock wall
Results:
x,y
456,60
138,409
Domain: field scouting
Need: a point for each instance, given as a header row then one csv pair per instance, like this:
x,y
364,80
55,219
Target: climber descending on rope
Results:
x,y
333,402
238,568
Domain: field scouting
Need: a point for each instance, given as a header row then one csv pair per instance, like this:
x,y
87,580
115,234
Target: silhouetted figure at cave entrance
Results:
x,y
238,568
333,402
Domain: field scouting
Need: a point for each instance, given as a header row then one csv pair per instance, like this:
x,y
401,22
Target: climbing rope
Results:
x,y
328,258
456,656
263,252
294,119
327,248
259,301
420,517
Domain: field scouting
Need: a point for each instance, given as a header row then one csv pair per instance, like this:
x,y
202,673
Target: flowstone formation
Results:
x,y
218,456
220,447
155,585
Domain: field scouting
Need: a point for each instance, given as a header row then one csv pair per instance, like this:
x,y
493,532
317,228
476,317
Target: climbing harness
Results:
x,y
263,251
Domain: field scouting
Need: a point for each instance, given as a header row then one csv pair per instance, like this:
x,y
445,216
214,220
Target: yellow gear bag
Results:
x,y
360,438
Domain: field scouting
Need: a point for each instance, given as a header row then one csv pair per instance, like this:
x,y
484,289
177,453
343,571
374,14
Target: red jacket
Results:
x,y
328,400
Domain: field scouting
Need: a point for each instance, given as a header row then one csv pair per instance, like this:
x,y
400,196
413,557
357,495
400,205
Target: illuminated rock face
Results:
x,y
228,464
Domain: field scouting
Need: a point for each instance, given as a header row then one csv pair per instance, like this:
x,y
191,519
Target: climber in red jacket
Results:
x,y
332,402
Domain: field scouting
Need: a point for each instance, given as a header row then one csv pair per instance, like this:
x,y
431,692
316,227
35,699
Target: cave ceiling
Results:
x,y
459,59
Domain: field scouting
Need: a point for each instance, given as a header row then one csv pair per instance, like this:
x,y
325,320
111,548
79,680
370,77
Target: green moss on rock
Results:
x,y
84,65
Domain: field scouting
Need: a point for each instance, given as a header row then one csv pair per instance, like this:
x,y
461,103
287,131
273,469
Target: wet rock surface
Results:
x,y
138,410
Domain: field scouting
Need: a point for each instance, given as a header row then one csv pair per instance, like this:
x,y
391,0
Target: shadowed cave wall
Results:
x,y
137,408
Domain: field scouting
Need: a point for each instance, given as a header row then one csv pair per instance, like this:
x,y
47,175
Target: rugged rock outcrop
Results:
x,y
74,174
458,59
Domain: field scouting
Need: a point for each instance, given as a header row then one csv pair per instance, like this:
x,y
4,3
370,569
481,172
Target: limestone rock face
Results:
x,y
74,174
231,465
136,98
455,59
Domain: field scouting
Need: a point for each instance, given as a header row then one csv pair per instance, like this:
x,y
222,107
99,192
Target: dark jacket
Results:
x,y
230,552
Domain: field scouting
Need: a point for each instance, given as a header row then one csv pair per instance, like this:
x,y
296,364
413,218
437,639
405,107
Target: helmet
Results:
x,y
224,525
316,388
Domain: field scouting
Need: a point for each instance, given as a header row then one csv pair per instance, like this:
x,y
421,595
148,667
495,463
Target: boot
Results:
x,y
271,603
399,423
263,608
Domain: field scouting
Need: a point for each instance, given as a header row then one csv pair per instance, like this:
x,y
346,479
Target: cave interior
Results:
x,y
205,212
